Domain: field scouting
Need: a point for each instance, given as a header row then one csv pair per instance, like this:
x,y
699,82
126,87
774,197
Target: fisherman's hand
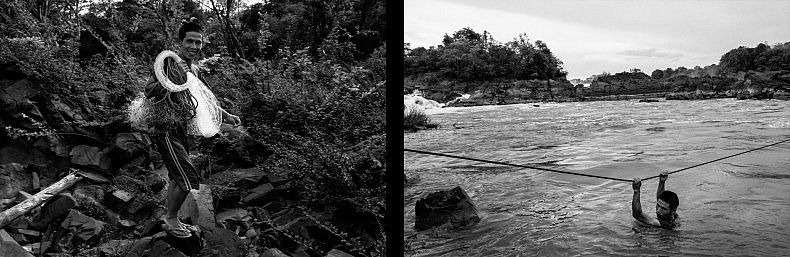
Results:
x,y
183,65
663,176
637,184
233,119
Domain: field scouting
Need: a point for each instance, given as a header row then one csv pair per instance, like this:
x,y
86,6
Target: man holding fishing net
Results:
x,y
666,205
177,105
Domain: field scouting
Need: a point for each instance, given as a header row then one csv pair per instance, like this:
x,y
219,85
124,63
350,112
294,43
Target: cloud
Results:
x,y
651,52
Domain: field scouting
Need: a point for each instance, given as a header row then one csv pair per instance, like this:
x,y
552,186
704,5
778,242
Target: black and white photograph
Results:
x,y
596,128
246,128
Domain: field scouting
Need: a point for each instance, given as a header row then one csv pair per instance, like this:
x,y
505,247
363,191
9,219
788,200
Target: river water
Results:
x,y
735,207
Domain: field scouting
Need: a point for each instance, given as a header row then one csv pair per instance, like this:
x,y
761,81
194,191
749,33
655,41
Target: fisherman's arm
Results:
x,y
230,118
662,178
636,206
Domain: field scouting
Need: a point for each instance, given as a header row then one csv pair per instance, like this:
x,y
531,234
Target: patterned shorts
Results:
x,y
173,146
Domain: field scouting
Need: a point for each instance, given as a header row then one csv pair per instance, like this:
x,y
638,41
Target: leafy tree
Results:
x,y
657,74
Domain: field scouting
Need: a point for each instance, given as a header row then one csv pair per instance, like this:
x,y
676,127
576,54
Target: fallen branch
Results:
x,y
7,216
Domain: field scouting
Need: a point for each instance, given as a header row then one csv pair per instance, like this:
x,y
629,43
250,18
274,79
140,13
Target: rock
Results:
x,y
251,233
242,179
6,202
32,248
13,179
256,195
12,249
112,218
138,247
234,218
189,246
36,181
163,249
93,176
155,182
60,205
115,247
273,252
222,242
151,227
350,218
28,232
83,226
450,206
21,222
117,199
94,192
132,143
129,149
91,156
338,253
19,238
138,210
4,236
199,207
276,180
303,251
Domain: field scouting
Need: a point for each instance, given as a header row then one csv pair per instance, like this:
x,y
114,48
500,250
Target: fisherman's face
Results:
x,y
191,45
663,211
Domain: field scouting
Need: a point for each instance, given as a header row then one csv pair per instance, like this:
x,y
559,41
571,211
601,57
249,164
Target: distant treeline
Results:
x,y
471,56
760,58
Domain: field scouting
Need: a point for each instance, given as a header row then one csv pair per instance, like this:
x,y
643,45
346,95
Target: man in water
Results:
x,y
666,204
168,125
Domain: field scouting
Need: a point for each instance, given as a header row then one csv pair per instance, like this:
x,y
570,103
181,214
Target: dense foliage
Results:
x,y
471,56
760,58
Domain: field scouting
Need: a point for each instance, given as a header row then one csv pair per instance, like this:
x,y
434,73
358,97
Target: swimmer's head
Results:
x,y
666,206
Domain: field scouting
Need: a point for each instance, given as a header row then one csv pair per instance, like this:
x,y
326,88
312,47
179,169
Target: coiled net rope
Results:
x,y
208,114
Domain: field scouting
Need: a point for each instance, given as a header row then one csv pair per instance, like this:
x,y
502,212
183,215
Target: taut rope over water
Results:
x,y
510,164
580,174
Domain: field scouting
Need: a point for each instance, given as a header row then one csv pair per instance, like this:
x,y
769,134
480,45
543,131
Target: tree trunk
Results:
x,y
548,88
7,216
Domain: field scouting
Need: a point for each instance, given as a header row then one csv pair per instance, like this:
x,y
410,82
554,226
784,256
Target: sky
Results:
x,y
593,36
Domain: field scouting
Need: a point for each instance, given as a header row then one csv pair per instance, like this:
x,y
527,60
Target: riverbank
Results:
x,y
695,95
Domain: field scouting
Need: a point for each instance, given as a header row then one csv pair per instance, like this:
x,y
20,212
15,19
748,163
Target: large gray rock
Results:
x,y
199,207
9,247
163,249
449,206
257,195
82,226
222,242
14,178
235,219
12,249
55,208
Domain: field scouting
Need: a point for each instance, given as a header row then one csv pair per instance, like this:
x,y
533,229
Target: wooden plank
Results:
x,y
7,216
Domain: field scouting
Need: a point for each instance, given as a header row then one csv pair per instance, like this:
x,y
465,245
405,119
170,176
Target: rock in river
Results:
x,y
448,206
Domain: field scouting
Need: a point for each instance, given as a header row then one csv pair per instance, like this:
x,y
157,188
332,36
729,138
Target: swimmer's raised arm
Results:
x,y
662,178
636,205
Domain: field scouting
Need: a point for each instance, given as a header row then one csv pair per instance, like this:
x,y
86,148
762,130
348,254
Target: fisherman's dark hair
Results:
x,y
187,27
671,198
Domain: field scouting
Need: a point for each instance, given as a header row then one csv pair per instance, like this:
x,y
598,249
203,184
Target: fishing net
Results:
x,y
208,114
